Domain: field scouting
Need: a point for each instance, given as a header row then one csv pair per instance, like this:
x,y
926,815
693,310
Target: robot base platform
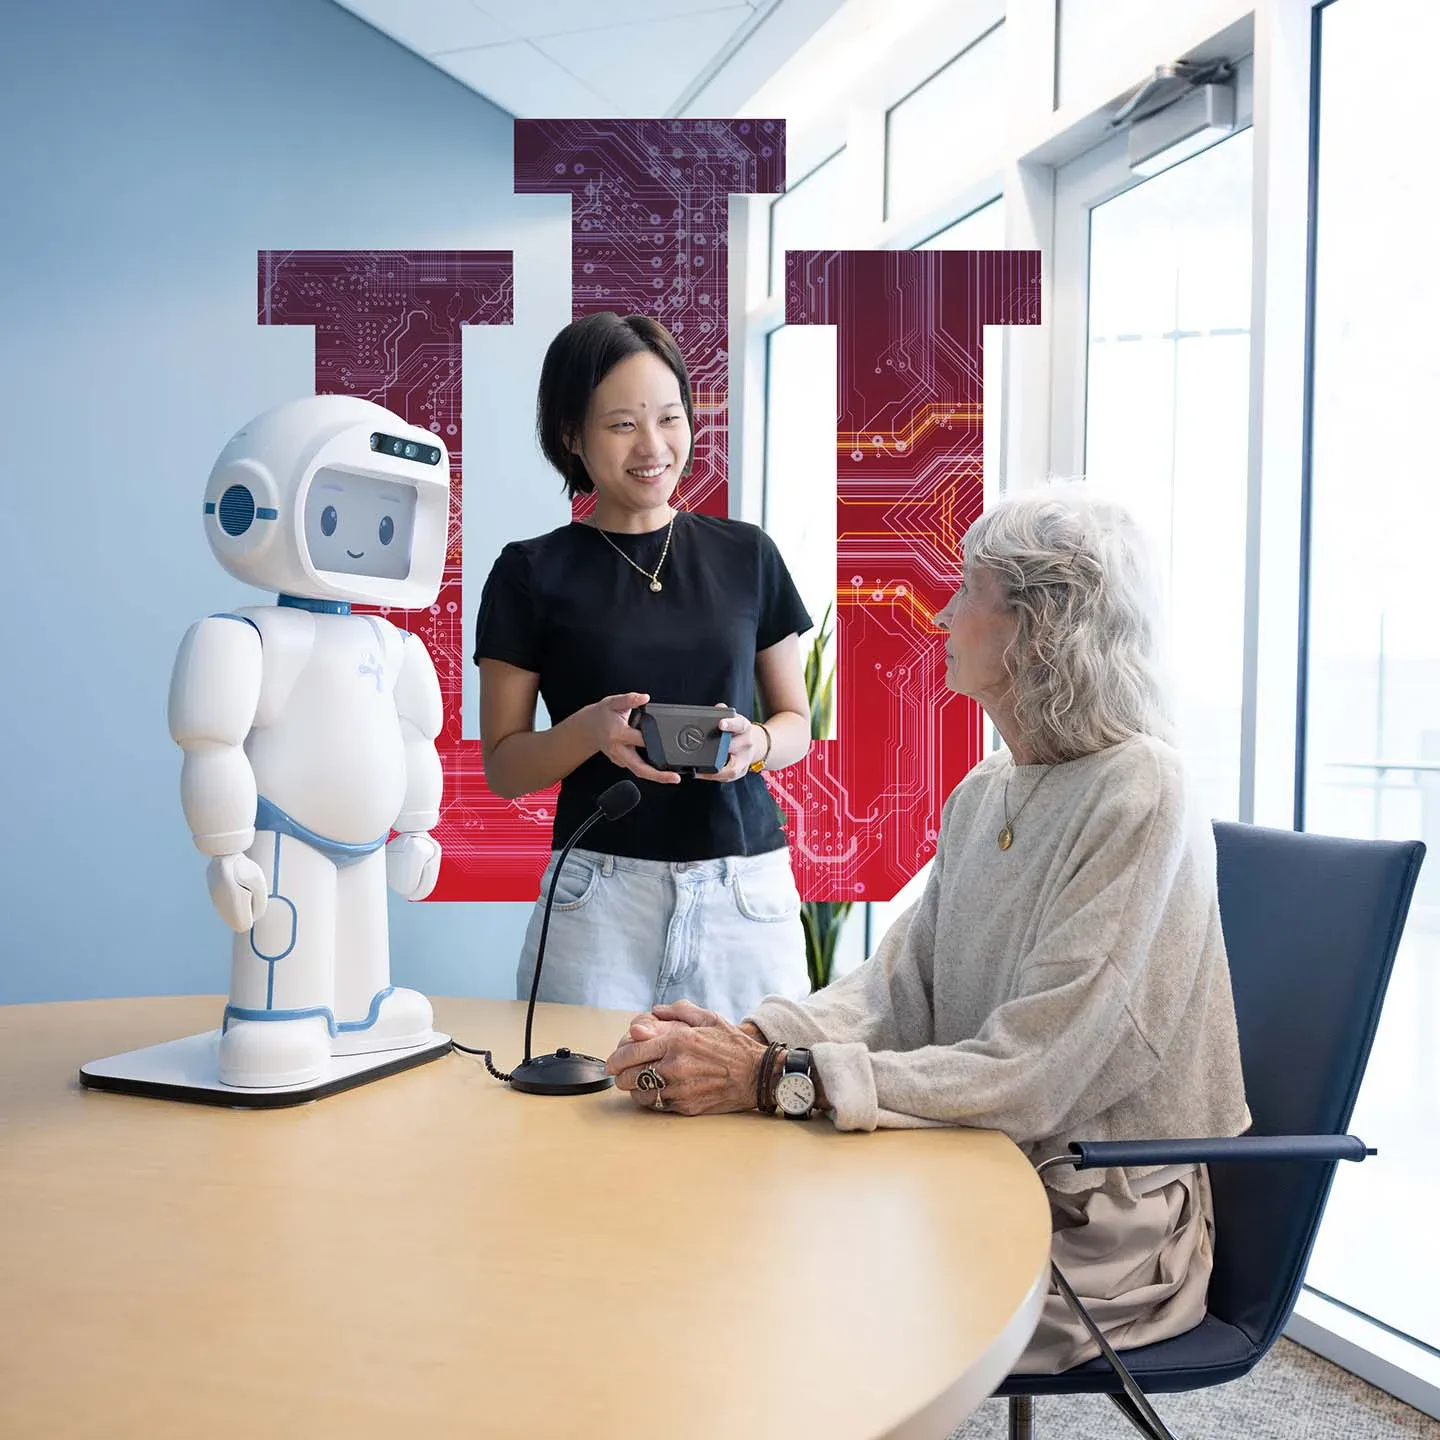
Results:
x,y
188,1069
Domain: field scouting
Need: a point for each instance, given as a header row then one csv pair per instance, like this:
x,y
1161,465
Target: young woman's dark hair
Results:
x,y
578,359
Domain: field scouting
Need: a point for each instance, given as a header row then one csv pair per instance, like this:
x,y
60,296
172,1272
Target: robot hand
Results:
x,y
412,865
237,890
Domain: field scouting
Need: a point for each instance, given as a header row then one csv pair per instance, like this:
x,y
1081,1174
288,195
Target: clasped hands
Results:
x,y
621,742
709,1066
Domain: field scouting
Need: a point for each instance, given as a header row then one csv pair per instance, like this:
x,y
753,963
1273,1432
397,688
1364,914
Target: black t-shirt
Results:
x,y
568,608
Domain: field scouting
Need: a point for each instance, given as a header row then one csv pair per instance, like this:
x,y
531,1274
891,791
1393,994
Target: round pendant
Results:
x,y
656,586
1006,838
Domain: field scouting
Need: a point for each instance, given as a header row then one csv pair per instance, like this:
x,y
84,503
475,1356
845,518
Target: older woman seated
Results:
x,y
1063,976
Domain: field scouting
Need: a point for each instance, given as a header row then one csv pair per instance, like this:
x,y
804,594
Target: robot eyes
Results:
x,y
330,522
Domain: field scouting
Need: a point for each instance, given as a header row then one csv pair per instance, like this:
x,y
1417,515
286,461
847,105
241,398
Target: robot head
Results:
x,y
332,498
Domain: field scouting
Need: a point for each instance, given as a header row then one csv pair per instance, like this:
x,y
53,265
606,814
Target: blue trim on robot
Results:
x,y
336,1027
275,897
209,507
269,816
243,619
319,607
266,512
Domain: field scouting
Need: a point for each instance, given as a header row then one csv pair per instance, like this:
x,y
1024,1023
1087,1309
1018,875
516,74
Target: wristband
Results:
x,y
762,1080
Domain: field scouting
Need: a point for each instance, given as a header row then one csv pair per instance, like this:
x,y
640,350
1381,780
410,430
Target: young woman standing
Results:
x,y
692,895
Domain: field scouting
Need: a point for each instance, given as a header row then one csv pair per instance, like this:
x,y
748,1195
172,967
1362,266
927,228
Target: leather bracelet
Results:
x,y
757,766
762,1080
774,1071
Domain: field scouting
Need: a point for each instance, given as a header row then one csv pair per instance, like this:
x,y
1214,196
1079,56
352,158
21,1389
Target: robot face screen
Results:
x,y
360,524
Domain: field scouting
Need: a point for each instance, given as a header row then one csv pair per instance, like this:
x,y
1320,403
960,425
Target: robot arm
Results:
x,y
214,693
417,699
413,857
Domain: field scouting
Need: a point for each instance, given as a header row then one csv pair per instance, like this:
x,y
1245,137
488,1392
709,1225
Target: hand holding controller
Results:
x,y
686,739
617,738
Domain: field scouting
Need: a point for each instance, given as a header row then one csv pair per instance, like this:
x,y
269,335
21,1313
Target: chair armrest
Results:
x,y
1092,1154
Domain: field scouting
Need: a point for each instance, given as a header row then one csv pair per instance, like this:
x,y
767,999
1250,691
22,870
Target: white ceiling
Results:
x,y
559,59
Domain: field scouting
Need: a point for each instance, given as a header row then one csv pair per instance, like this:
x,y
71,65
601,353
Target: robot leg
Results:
x,y
370,1014
281,1012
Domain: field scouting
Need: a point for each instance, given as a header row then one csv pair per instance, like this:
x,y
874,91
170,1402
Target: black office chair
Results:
x,y
1311,925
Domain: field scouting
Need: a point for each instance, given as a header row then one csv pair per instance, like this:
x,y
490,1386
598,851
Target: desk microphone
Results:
x,y
565,1072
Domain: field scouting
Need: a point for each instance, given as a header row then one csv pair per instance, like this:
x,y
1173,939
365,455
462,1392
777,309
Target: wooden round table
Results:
x,y
435,1254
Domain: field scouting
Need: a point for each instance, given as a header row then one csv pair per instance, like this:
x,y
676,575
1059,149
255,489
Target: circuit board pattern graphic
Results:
x,y
387,328
650,234
863,810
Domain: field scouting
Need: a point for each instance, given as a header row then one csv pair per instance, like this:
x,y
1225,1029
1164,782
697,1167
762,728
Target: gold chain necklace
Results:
x,y
1006,838
653,576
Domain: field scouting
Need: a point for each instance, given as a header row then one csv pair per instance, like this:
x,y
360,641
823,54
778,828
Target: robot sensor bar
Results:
x,y
405,449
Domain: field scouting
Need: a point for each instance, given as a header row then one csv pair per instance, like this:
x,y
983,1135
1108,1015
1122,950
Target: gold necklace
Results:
x,y
653,576
1006,838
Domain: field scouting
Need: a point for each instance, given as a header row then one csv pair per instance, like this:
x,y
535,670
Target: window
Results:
x,y
1167,423
1372,721
799,494
982,229
809,216
958,109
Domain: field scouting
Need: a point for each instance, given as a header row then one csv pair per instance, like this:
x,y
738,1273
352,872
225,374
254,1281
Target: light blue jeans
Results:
x,y
628,934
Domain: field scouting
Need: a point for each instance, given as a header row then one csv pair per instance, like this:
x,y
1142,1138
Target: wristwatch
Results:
x,y
795,1089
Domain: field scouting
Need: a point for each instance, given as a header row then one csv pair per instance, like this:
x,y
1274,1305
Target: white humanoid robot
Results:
x,y
309,732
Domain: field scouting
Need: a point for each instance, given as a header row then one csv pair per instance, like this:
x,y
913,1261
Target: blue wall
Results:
x,y
147,152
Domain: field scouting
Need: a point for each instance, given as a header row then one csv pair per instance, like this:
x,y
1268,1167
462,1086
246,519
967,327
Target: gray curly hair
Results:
x,y
1085,663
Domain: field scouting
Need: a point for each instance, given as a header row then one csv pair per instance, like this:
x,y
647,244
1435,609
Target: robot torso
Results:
x,y
326,745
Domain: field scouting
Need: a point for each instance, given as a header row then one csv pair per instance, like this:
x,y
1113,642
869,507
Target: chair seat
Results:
x,y
1210,1354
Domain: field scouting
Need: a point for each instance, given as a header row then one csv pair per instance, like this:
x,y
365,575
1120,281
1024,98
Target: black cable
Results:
x,y
470,1050
613,803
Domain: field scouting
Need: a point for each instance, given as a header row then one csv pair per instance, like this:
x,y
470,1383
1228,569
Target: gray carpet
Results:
x,y
1290,1395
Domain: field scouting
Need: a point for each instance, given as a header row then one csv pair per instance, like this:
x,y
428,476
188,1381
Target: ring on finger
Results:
x,y
651,1079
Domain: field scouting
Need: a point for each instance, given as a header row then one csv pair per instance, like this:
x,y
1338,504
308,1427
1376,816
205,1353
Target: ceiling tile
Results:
x,y
644,68
557,17
435,25
518,78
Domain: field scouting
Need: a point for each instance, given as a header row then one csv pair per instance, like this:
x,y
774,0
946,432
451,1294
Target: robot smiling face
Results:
x,y
332,498
377,517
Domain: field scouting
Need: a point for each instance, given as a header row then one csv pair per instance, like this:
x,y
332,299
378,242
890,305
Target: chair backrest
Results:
x,y
1311,926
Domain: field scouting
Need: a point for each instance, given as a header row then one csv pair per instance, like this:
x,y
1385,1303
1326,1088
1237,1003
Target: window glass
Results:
x,y
958,111
982,229
808,216
1167,423
799,494
1372,721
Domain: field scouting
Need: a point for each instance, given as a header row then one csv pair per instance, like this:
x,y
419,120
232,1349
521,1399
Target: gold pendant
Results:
x,y
656,587
1006,838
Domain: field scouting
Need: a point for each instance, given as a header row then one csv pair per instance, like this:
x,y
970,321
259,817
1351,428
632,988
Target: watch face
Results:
x,y
795,1094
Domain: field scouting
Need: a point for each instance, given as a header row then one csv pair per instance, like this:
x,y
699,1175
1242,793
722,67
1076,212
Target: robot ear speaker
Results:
x,y
236,511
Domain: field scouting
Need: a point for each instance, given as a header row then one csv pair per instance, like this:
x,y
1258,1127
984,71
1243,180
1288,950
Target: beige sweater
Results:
x,y
1072,987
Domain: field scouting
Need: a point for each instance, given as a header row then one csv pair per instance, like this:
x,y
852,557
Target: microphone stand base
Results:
x,y
563,1073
